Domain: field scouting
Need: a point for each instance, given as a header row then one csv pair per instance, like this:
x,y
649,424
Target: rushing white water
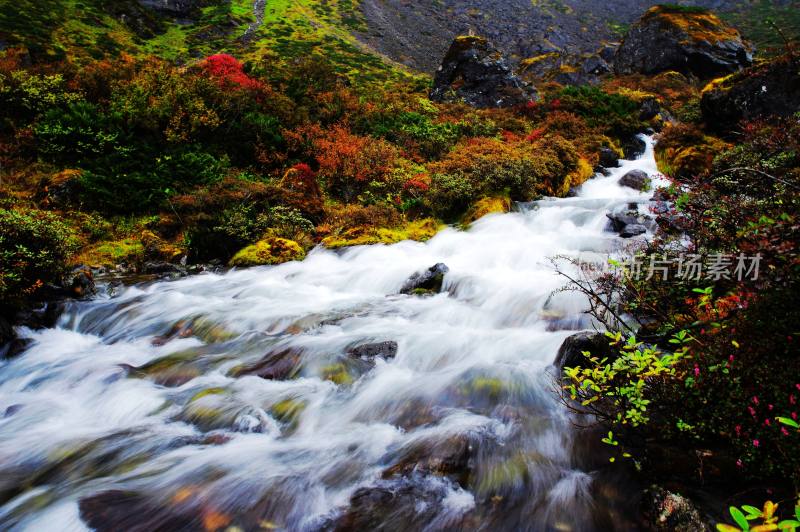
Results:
x,y
467,394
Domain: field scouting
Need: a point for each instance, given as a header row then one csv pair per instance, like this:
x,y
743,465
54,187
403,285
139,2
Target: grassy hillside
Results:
x,y
82,30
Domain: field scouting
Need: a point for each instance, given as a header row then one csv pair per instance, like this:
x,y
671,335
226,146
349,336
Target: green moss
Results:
x,y
287,410
337,373
112,253
419,230
485,206
268,251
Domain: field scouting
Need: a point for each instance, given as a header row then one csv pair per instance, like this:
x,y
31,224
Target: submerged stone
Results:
x,y
428,282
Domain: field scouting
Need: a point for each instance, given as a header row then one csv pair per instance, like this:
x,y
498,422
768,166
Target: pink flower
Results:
x,y
767,422
755,399
752,411
739,463
794,416
696,371
755,443
738,429
769,407
784,431
730,359
792,399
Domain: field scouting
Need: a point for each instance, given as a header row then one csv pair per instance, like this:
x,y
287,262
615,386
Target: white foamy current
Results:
x,y
144,410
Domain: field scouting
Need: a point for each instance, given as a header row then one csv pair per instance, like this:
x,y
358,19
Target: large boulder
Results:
x,y
570,354
691,41
474,71
635,179
772,88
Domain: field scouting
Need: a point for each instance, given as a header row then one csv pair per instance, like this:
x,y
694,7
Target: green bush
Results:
x,y
34,249
119,183
615,114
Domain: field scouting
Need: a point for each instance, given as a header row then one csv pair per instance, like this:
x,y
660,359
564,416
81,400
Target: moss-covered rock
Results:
x,y
487,205
688,40
268,251
419,230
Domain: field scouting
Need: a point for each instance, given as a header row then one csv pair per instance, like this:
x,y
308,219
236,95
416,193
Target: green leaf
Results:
x,y
751,510
789,422
739,517
788,524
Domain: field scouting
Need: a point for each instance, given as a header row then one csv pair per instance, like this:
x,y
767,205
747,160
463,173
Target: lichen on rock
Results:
x,y
269,251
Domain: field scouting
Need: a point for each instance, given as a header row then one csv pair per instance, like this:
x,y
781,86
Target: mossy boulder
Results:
x,y
485,206
772,88
419,230
687,40
684,152
271,250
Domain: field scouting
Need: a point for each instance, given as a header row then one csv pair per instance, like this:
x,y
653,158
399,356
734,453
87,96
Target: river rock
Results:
x,y
404,503
609,158
370,352
279,365
81,282
620,219
690,41
635,179
633,230
427,282
772,88
665,511
475,72
633,148
570,354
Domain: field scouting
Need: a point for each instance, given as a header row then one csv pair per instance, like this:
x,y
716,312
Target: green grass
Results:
x,y
759,23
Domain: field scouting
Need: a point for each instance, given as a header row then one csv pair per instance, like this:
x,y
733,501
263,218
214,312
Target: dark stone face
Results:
x,y
660,42
473,71
771,89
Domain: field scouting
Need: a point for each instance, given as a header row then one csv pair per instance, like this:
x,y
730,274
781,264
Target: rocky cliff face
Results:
x,y
694,42
176,7
419,33
475,72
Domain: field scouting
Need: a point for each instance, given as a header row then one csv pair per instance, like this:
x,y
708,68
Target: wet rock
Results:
x,y
632,230
692,42
81,282
161,267
635,179
769,89
396,504
570,354
114,510
633,148
428,282
369,352
474,72
622,218
671,512
650,109
609,158
279,365
450,457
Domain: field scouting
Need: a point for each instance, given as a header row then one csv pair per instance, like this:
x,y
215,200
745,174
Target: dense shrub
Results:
x,y
614,114
348,163
34,249
481,166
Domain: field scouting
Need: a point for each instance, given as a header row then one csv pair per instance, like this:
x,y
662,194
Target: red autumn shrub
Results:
x,y
229,73
348,163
